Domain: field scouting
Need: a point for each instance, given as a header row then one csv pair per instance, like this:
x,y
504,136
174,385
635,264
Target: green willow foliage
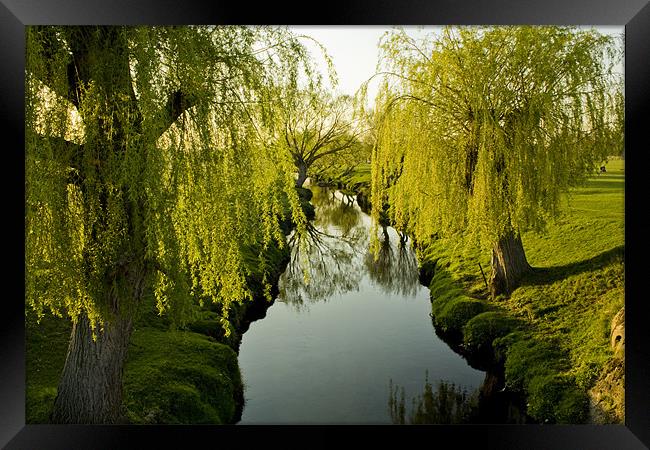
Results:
x,y
481,129
200,189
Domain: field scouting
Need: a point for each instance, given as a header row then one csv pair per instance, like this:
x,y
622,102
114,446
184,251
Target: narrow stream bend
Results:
x,y
345,330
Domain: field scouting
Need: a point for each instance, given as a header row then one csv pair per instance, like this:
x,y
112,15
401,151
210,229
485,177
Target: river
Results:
x,y
347,329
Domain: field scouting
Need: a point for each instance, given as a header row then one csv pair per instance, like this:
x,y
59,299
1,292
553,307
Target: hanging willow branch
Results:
x,y
152,148
488,126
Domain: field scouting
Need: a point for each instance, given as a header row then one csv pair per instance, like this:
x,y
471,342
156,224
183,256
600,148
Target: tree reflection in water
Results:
x,y
448,404
333,254
395,267
335,210
326,259
321,265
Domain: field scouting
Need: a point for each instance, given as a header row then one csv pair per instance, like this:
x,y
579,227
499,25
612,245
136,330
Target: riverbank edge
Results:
x,y
491,338
186,374
230,401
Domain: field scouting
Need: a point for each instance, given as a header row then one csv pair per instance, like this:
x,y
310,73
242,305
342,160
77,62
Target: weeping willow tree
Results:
x,y
482,129
147,166
394,267
319,129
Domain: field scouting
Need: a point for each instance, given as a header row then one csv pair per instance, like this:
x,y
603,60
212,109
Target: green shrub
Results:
x,y
439,303
450,308
455,312
207,327
442,284
483,328
501,345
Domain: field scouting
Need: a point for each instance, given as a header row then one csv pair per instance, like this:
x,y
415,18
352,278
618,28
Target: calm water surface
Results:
x,y
344,326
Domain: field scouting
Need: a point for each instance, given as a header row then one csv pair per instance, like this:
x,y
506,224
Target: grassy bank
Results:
x,y
346,178
354,181
553,333
170,376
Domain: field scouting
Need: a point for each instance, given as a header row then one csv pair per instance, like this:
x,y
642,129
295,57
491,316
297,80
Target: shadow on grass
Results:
x,y
549,275
605,180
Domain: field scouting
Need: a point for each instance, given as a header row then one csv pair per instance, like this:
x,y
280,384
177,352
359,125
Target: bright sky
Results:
x,y
354,50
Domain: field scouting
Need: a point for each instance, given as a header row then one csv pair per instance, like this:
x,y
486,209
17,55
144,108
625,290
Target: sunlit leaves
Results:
x,y
153,145
481,129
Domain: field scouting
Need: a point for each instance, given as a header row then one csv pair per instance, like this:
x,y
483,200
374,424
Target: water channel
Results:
x,y
345,328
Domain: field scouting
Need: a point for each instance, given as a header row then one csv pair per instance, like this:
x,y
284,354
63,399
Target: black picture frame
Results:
x,y
15,14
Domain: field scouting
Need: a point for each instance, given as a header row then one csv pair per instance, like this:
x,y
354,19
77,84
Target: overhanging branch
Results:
x,y
177,103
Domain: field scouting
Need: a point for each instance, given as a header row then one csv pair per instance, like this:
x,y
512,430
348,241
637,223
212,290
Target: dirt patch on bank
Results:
x,y
607,397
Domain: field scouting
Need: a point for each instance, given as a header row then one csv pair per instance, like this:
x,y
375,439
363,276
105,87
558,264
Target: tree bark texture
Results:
x,y
509,264
90,389
302,174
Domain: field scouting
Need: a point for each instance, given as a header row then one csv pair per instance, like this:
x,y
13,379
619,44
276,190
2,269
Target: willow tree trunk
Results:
x,y
90,389
302,174
509,264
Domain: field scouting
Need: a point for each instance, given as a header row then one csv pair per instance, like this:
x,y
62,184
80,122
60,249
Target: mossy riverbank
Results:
x,y
559,338
175,373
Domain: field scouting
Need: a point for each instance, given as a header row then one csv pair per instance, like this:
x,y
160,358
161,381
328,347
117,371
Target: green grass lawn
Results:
x,y
593,222
358,177
45,351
